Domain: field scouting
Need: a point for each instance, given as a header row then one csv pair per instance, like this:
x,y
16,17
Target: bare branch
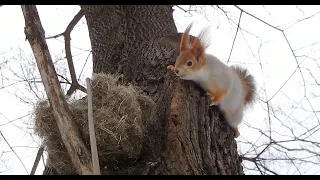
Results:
x,y
84,65
74,82
79,154
189,10
235,23
258,18
93,143
264,167
10,121
300,20
36,161
295,57
5,139
56,36
234,40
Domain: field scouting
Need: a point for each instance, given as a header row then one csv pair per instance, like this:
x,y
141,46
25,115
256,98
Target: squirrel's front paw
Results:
x,y
213,103
170,67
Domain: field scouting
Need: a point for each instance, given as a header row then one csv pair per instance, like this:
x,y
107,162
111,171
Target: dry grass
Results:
x,y
120,114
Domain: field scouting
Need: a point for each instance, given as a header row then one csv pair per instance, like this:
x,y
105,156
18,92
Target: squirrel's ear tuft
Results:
x,y
198,50
204,37
185,41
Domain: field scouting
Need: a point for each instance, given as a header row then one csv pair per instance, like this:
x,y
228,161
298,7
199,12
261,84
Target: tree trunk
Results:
x,y
189,137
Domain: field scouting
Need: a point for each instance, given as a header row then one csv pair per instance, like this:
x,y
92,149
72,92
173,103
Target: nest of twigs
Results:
x,y
120,113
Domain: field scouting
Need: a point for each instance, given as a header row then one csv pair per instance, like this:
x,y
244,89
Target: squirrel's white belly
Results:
x,y
202,78
234,98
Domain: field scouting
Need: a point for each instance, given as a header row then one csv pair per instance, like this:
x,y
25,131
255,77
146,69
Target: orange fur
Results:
x,y
198,50
186,56
194,52
217,94
236,133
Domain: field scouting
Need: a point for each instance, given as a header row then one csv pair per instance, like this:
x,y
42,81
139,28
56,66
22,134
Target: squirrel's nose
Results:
x,y
176,70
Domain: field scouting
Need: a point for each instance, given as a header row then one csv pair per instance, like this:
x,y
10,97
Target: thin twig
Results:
x,y
84,65
36,161
235,37
258,18
258,168
281,30
10,121
181,8
264,167
295,57
300,20
4,138
56,36
184,9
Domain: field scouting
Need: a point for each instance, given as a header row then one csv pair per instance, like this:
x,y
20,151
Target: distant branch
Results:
x,y
84,64
4,138
36,161
258,18
235,37
300,20
257,163
295,57
184,9
11,121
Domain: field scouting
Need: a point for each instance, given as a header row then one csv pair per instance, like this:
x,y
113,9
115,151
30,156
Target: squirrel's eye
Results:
x,y
189,63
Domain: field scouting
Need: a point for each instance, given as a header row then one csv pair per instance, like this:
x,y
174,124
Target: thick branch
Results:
x,y
76,148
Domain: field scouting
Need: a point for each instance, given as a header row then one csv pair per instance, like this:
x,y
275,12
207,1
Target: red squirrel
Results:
x,y
232,88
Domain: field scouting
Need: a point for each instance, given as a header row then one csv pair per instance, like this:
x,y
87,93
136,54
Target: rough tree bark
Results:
x,y
189,137
140,41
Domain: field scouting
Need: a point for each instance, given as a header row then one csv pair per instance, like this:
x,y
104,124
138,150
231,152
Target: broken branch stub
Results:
x,y
76,148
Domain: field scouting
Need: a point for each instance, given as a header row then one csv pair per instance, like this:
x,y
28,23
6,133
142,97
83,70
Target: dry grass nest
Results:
x,y
120,114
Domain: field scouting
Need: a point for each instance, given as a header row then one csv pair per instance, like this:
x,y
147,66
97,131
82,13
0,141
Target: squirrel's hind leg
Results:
x,y
217,96
234,119
236,133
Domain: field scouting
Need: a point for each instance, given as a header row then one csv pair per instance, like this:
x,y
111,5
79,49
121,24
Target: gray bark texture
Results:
x,y
188,137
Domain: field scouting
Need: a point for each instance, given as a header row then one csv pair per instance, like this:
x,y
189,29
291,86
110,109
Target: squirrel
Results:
x,y
231,88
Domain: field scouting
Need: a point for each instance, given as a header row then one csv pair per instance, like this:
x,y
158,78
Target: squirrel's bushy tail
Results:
x,y
248,84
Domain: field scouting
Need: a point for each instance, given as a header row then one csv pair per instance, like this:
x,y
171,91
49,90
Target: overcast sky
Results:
x,y
260,48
